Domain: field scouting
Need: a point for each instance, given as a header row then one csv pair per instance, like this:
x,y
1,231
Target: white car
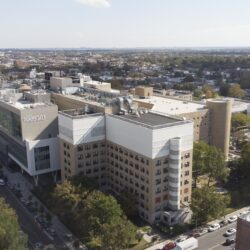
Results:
x,y
213,227
230,232
232,219
181,238
2,182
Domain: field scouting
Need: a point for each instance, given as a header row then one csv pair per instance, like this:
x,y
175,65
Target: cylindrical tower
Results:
x,y
174,173
220,123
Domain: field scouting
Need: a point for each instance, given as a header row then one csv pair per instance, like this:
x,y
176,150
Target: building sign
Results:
x,y
34,118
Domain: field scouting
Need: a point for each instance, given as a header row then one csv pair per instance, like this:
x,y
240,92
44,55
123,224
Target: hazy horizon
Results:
x,y
117,24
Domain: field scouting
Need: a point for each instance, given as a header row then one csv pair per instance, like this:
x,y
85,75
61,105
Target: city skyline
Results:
x,y
124,24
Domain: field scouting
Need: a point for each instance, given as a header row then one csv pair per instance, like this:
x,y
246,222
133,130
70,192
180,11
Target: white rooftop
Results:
x,y
172,106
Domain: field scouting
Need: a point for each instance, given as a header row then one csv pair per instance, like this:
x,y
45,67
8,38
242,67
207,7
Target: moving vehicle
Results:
x,y
213,227
232,219
190,244
230,231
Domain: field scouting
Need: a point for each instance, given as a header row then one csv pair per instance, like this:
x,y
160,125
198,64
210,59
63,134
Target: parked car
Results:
x,y
229,242
213,227
38,246
230,232
223,223
169,246
2,182
181,238
232,219
52,231
69,237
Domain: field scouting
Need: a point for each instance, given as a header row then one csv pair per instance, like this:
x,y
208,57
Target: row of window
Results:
x,y
80,148
124,168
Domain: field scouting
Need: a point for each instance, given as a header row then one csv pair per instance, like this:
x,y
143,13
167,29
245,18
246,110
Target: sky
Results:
x,y
124,23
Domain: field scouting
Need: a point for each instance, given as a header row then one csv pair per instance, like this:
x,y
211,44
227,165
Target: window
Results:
x,y
158,163
185,190
42,158
80,148
157,199
186,173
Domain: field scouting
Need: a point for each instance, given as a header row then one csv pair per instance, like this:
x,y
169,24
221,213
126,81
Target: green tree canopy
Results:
x,y
240,119
11,237
208,91
207,204
92,215
245,160
236,91
209,160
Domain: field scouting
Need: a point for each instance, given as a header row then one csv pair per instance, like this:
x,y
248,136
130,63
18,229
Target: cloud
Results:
x,y
95,3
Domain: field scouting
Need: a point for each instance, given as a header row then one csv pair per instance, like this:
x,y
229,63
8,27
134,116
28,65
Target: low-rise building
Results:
x,y
28,132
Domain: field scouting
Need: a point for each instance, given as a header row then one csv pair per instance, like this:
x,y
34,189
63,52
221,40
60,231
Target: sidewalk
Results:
x,y
25,186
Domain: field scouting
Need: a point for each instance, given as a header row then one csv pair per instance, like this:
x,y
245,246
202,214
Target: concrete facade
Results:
x,y
152,161
220,123
29,134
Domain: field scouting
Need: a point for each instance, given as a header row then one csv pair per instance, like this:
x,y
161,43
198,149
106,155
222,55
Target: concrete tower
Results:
x,y
220,123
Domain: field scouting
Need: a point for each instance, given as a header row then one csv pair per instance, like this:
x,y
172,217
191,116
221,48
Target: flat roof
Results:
x,y
152,120
21,105
172,106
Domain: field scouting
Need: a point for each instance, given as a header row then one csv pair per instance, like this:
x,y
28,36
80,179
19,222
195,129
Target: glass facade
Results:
x,y
11,123
42,158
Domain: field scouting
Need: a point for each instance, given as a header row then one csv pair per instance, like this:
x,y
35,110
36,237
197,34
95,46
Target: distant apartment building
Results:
x,y
28,131
61,83
179,94
243,232
147,154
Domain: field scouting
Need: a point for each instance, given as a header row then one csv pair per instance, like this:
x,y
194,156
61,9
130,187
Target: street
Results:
x,y
35,231
26,221
214,240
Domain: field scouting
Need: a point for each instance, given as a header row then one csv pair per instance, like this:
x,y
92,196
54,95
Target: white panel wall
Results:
x,y
54,155
88,129
151,143
129,135
162,136
84,130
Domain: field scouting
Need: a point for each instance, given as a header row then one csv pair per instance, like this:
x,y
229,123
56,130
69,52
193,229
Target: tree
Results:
x,y
245,161
10,235
224,89
207,204
128,203
198,93
240,120
119,234
199,159
209,160
236,91
92,214
208,91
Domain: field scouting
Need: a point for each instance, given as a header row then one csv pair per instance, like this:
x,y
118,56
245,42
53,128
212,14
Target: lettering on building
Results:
x,y
34,118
